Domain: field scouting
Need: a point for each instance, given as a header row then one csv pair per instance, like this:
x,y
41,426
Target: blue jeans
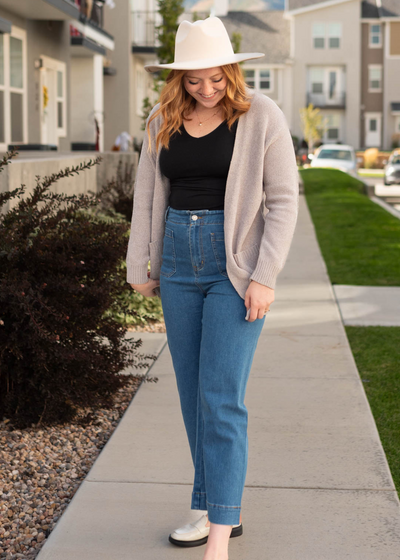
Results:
x,y
212,348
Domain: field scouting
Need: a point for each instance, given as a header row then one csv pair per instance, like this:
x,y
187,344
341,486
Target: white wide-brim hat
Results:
x,y
203,44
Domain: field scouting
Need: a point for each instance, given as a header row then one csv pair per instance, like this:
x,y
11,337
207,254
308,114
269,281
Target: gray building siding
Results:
x,y
370,102
51,39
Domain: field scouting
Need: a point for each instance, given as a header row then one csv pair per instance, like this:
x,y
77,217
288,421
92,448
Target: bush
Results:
x,y
138,310
371,158
60,349
116,205
119,195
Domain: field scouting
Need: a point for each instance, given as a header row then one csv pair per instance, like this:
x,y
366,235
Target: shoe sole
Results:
x,y
236,532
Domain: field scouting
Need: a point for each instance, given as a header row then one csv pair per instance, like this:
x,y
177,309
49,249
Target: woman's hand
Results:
x,y
258,298
147,288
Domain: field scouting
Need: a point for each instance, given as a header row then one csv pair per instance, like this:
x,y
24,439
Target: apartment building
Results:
x,y
380,71
340,55
347,62
51,74
267,32
326,48
133,22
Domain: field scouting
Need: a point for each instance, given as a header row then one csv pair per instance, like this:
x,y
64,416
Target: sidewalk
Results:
x,y
318,485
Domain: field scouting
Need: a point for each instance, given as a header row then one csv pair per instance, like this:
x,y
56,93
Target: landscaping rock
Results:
x,y
42,468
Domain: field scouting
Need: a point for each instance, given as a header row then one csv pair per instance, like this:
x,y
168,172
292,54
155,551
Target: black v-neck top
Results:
x,y
198,167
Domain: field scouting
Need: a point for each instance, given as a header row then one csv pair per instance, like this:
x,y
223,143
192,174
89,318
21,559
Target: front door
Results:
x,y
333,86
49,106
373,124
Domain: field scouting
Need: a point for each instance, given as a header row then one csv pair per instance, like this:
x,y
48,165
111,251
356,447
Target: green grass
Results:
x,y
377,354
371,173
360,242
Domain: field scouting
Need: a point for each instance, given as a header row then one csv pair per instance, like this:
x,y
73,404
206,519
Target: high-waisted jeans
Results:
x,y
212,347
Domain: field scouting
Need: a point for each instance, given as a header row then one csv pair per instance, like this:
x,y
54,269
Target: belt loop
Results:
x,y
166,212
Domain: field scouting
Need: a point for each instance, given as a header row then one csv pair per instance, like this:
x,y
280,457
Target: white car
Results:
x,y
339,156
392,169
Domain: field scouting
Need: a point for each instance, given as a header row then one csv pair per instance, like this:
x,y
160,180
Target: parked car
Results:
x,y
339,156
392,169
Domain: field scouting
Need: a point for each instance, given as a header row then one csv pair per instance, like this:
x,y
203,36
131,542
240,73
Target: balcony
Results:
x,y
88,33
91,12
327,101
56,10
144,33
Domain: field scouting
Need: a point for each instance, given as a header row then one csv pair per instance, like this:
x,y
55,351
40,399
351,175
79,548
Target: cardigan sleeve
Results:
x,y
138,254
281,187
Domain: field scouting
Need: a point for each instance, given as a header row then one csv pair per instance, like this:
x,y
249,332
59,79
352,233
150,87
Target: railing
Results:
x,y
92,11
144,33
326,100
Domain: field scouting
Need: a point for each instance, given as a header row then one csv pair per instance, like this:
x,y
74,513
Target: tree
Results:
x,y
170,10
313,125
236,41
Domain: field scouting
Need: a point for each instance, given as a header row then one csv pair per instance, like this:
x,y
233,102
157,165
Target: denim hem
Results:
x,y
199,500
223,515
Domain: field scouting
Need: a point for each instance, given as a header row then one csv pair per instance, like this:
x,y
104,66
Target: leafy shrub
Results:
x,y
60,347
119,195
137,310
133,309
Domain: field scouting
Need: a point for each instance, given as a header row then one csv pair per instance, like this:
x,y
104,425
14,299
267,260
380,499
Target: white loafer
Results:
x,y
196,534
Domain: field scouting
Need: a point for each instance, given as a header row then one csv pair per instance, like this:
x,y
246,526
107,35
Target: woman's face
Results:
x,y
207,86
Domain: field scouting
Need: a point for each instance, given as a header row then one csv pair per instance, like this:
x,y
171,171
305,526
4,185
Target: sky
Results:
x,y
236,5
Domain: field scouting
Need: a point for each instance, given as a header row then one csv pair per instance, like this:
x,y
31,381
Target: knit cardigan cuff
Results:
x,y
265,273
136,274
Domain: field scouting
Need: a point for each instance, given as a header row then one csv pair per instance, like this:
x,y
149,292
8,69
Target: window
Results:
x,y
60,98
319,35
259,78
250,77
265,79
317,80
375,78
332,125
327,153
327,35
373,125
13,85
334,33
375,35
16,90
16,73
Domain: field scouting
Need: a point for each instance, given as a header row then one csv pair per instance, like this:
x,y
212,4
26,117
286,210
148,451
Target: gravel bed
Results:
x,y
41,468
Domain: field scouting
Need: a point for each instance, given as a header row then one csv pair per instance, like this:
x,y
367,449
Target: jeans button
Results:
x,y
194,217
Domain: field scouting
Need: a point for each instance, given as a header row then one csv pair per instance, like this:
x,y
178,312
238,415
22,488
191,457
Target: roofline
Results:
x,y
313,7
379,19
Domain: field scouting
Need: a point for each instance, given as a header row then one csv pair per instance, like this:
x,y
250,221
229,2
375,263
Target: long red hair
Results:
x,y
176,103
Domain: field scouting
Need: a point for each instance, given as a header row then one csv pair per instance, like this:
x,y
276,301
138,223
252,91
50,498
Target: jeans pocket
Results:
x,y
218,245
168,262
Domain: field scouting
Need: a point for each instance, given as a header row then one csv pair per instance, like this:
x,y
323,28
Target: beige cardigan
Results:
x,y
258,229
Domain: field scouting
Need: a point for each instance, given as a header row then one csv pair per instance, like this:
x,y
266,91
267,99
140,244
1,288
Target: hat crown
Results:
x,y
202,44
201,40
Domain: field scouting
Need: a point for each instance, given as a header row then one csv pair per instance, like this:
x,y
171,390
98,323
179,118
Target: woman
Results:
x,y
215,207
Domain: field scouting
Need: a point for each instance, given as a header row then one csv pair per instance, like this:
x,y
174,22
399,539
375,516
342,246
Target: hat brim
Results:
x,y
206,63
